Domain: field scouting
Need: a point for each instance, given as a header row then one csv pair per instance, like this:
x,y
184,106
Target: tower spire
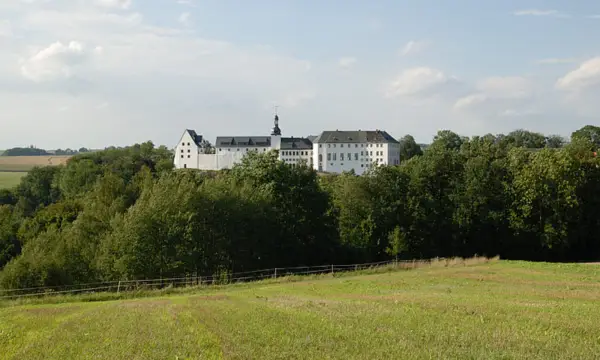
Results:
x,y
276,129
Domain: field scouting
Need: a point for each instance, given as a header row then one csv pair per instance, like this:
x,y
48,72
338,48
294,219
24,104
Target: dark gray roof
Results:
x,y
311,138
376,136
243,141
197,138
296,143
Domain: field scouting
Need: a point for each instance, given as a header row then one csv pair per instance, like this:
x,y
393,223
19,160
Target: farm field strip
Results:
x,y
498,310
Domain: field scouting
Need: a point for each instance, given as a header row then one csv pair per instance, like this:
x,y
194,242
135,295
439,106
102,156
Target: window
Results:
x,y
334,156
182,151
182,156
361,153
320,145
371,153
185,166
342,157
189,150
328,145
246,149
341,145
333,145
355,156
361,165
188,156
320,157
183,144
220,149
355,145
362,145
328,157
349,156
188,144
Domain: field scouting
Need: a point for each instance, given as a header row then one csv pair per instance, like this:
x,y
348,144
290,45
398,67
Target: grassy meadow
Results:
x,y
494,310
13,168
10,179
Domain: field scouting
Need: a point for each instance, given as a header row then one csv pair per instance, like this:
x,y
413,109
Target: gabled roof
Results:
x,y
369,136
197,139
243,141
296,143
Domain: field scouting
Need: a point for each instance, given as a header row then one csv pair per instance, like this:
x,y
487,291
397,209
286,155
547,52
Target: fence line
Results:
x,y
196,280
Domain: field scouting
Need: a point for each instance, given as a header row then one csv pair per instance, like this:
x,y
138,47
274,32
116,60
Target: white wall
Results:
x,y
361,159
296,156
186,153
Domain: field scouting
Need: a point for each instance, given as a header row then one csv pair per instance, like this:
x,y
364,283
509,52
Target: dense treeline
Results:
x,y
126,214
33,151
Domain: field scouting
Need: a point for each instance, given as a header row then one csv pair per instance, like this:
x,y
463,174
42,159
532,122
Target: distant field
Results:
x,y
10,179
498,310
26,163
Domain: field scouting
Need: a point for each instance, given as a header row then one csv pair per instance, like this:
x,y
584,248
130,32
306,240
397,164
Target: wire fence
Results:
x,y
194,280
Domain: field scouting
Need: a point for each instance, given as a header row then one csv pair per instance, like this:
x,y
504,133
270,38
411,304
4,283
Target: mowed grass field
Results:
x,y
497,310
13,168
10,179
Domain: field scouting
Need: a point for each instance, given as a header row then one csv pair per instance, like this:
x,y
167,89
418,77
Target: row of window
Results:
x,y
362,153
350,145
238,149
361,165
294,153
294,160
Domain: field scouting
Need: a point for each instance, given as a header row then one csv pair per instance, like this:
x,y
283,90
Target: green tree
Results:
x,y
409,148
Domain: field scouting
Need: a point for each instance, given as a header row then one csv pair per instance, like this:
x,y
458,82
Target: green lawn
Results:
x,y
10,179
499,310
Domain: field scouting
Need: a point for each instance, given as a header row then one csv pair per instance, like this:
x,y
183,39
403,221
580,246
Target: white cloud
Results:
x,y
470,100
55,61
184,19
413,47
501,91
115,4
537,12
347,62
553,61
585,76
418,81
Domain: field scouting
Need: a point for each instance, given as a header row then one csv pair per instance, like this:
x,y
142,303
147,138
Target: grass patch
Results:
x,y
486,310
10,179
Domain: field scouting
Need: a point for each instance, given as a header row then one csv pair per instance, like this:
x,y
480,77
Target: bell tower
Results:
x,y
276,133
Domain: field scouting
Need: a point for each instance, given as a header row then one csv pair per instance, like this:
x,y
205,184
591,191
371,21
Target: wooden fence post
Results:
x,y
275,273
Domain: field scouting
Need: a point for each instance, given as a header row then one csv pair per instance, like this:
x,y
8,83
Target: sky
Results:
x,y
96,73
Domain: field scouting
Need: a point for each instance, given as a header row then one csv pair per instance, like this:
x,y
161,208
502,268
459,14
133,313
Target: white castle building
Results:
x,y
332,151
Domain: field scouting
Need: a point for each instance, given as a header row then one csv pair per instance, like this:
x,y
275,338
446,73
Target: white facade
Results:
x,y
332,151
296,157
358,151
187,151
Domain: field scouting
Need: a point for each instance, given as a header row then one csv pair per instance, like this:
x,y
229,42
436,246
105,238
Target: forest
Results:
x,y
125,213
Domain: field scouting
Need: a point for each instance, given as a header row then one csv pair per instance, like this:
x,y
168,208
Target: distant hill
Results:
x,y
29,151
33,151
